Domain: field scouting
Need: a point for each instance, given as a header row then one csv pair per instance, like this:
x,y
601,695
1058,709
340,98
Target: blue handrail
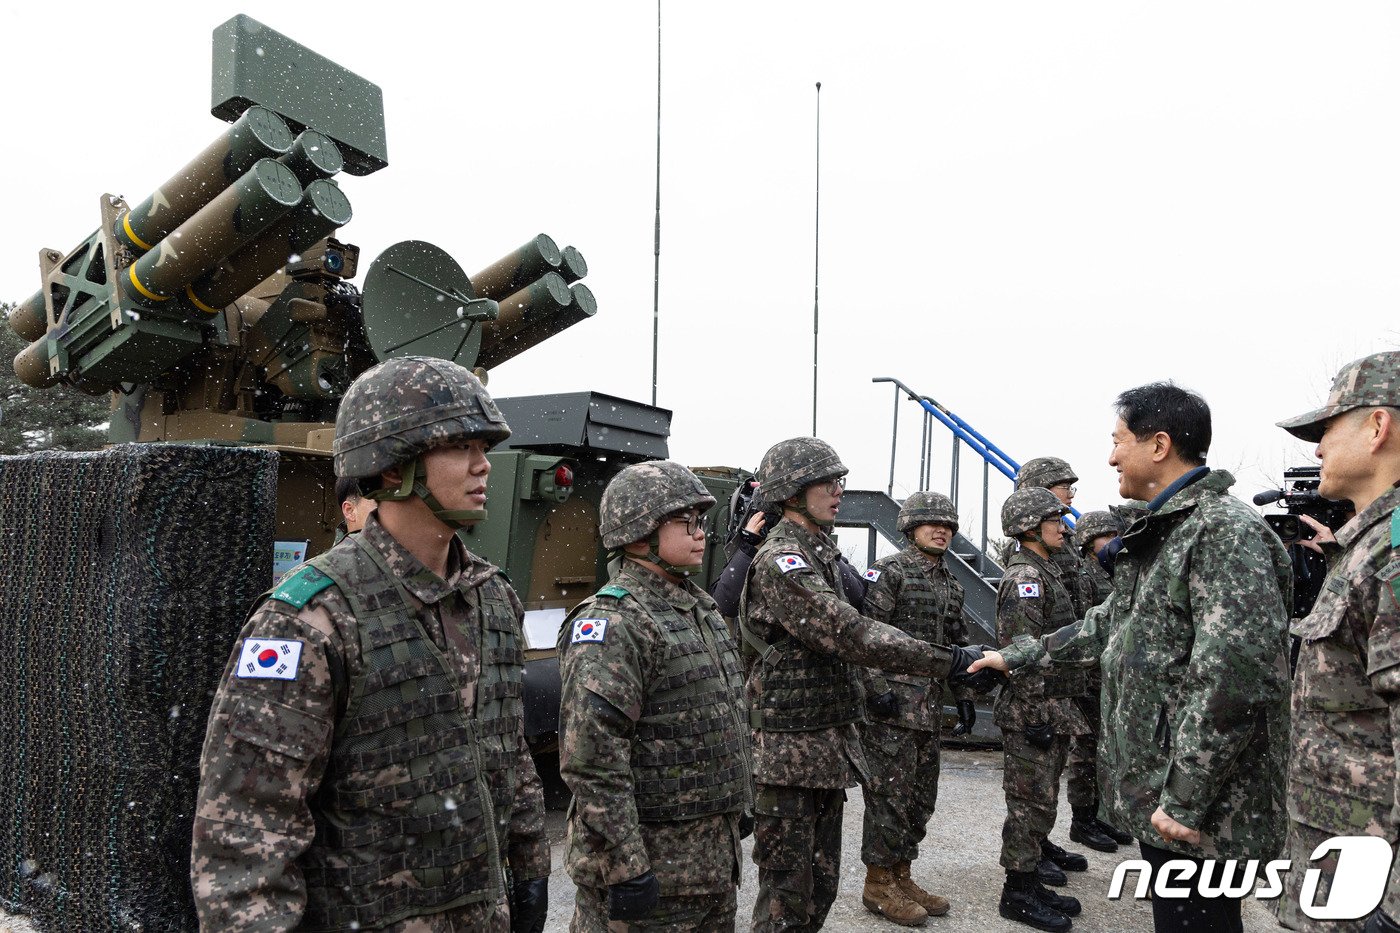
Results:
x,y
969,435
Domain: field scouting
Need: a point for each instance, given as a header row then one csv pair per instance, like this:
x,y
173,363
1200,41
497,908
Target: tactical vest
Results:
x,y
689,752
803,690
925,606
414,783
1061,680
1074,576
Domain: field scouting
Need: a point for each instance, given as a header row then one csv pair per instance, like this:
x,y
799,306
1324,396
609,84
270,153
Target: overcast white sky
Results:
x,y
1026,207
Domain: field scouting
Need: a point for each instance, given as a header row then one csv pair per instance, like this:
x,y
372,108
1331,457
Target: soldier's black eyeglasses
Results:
x,y
693,521
834,486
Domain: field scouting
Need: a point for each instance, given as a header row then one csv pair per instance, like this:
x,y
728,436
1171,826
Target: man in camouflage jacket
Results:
x,y
914,592
1194,651
653,733
365,765
803,688
1342,778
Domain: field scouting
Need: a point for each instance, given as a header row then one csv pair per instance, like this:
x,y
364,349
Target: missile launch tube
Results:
x,y
572,267
237,214
258,134
509,274
542,321
32,365
29,319
313,155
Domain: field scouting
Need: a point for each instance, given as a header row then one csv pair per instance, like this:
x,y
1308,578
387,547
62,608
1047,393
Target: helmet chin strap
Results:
x,y
801,509
931,550
653,555
415,483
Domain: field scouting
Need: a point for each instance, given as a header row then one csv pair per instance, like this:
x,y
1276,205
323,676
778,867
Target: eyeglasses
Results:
x,y
693,521
833,486
1066,487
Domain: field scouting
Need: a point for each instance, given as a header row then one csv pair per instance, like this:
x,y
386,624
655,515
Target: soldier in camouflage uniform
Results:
x,y
365,765
803,689
914,592
1076,573
1343,779
1092,533
1036,713
653,733
1194,650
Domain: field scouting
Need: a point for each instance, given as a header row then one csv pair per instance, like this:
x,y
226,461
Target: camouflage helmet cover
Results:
x,y
1093,524
1370,382
791,465
927,508
1026,508
1044,472
642,495
402,408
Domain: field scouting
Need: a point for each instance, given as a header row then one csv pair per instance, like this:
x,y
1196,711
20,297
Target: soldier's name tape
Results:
x,y
1028,590
872,575
269,658
589,630
1363,868
787,563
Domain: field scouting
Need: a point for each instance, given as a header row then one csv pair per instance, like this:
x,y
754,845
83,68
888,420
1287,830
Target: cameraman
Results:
x,y
1346,692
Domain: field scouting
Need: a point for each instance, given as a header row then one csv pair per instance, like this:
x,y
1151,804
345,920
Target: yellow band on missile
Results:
x,y
131,234
194,299
131,274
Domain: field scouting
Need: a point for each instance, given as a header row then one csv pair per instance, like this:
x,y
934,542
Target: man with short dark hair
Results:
x,y
1193,644
355,506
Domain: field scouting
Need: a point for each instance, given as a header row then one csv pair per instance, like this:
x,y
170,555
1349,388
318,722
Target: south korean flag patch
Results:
x,y
1028,590
589,630
787,563
269,659
872,575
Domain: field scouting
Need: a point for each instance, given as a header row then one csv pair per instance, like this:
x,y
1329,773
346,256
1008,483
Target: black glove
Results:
x,y
1041,736
982,681
633,900
886,705
967,717
1378,922
749,541
529,901
746,824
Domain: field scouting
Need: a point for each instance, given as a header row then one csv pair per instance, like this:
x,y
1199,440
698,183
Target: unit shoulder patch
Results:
x,y
586,630
787,563
269,659
298,588
872,575
1028,590
615,591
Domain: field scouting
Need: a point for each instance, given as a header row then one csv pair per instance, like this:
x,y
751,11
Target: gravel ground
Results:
x,y
959,861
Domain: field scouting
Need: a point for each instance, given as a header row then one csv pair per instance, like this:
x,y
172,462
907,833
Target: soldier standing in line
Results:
x,y
914,592
1092,533
653,733
365,765
1343,779
1076,573
803,688
1194,649
1037,715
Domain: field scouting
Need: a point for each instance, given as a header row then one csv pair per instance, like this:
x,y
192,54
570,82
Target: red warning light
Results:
x,y
564,477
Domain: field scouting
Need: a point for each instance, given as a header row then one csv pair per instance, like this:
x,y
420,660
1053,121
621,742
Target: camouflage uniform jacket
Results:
x,y
1032,601
1194,650
1100,581
794,602
636,664
269,743
1074,574
920,597
1346,692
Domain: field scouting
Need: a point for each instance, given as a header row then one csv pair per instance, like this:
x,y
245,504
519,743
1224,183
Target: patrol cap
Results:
x,y
1372,381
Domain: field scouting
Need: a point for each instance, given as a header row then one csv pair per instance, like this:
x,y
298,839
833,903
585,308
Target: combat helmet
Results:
x,y
927,508
1093,524
1044,472
640,497
792,465
401,409
1026,508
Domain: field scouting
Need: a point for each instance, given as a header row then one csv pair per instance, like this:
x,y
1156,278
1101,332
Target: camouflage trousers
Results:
x,y
797,847
703,913
1032,785
901,792
1302,841
1083,767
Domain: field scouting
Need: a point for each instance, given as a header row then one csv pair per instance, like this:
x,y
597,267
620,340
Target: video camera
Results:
x,y
742,507
1300,497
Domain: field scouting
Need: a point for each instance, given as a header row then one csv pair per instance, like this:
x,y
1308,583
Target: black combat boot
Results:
x,y
1085,829
1069,906
1021,902
1069,861
1114,833
1047,872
